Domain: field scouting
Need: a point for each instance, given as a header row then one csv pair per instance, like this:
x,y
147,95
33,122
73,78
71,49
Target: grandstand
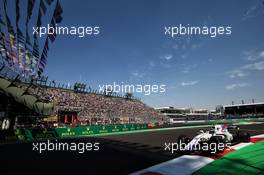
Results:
x,y
244,110
94,105
35,100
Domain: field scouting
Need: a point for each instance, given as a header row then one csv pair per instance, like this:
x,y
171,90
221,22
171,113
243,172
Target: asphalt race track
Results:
x,y
118,154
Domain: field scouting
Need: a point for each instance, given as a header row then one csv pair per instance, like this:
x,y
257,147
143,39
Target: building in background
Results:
x,y
244,110
183,115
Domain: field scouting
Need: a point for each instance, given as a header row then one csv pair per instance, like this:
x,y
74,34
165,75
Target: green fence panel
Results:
x,y
46,133
66,132
23,134
36,134
93,130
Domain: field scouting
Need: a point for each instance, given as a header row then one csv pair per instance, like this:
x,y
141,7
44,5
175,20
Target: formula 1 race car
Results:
x,y
218,138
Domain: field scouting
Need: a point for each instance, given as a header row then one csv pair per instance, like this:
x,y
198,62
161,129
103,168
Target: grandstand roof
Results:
x,y
29,101
170,107
246,104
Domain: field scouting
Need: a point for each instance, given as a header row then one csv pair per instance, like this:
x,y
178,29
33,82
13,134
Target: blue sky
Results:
x,y
198,71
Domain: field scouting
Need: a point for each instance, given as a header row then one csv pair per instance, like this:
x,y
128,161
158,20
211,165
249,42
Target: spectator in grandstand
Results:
x,y
90,105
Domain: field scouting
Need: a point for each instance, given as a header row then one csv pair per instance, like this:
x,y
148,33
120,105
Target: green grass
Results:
x,y
248,160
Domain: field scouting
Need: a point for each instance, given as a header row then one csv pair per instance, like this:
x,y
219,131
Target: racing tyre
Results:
x,y
216,141
243,136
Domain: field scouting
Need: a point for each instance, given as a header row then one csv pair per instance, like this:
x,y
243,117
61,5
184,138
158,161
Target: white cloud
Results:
x,y
165,60
238,85
255,63
250,12
236,73
166,57
189,83
253,55
261,54
187,68
137,75
254,11
254,66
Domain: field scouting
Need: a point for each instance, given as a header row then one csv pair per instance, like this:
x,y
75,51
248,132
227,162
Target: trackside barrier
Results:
x,y
223,121
36,134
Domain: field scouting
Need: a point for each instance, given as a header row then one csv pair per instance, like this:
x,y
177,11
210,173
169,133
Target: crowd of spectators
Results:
x,y
95,105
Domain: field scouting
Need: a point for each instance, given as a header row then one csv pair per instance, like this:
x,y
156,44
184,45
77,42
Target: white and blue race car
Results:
x,y
216,139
